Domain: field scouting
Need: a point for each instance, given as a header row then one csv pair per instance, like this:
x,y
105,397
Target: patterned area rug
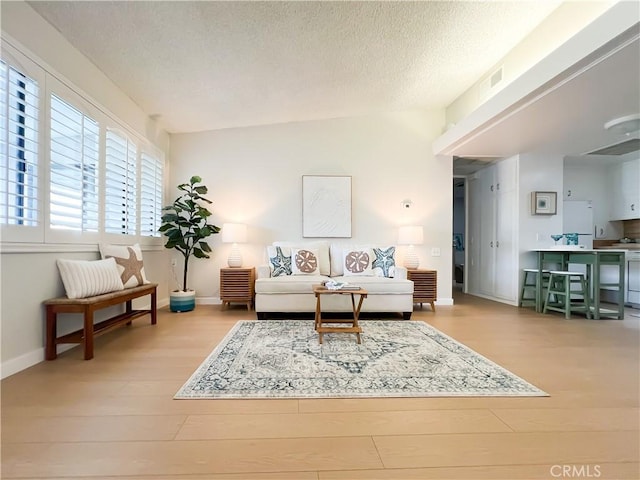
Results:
x,y
283,359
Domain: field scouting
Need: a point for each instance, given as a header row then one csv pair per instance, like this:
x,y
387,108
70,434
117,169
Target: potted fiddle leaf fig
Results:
x,y
186,226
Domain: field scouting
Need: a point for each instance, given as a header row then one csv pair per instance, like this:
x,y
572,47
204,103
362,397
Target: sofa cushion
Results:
x,y
279,261
337,262
321,246
379,285
337,259
384,261
289,284
304,261
357,261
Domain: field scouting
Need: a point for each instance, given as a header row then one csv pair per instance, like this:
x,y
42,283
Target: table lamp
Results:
x,y
234,233
411,235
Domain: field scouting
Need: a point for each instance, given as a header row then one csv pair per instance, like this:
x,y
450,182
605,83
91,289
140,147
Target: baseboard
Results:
x,y
22,362
444,302
208,301
513,303
34,357
27,360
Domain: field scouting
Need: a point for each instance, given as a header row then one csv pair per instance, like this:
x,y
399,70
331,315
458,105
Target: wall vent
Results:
x,y
496,77
486,86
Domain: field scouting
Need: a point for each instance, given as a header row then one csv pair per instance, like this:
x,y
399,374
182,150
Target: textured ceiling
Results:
x,y
209,65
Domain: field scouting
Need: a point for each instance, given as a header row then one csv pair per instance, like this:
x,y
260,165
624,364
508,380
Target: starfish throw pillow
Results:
x,y
279,261
384,261
129,261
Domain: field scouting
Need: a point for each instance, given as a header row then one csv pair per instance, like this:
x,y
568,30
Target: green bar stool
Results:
x,y
559,288
529,286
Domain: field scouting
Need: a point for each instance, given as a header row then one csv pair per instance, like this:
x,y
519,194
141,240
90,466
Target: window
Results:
x,y
151,169
120,185
18,148
74,159
70,172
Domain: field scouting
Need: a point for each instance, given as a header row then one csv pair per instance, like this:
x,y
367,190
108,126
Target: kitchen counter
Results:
x,y
623,246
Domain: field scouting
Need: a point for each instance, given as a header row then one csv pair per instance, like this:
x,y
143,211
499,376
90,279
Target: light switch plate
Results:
x,y
435,252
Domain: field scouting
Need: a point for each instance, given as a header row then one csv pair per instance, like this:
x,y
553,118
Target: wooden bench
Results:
x,y
88,306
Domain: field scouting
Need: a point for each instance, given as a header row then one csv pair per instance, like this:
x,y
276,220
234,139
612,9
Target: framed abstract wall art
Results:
x,y
326,206
544,203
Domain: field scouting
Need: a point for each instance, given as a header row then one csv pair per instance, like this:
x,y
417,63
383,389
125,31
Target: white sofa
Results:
x,y
388,288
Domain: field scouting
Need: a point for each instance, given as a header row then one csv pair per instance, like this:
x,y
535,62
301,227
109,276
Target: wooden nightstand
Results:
x,y
425,286
237,285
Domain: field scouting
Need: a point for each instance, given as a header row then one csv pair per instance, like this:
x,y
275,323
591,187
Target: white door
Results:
x,y
505,283
487,231
472,270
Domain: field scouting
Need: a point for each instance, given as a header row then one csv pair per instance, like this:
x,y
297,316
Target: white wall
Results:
x,y
255,174
538,172
29,274
564,22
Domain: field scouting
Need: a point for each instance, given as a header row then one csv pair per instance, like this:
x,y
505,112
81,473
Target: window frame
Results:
x,y
27,233
53,235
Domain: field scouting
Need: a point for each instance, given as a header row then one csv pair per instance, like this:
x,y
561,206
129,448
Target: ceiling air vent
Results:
x,y
628,146
496,77
487,85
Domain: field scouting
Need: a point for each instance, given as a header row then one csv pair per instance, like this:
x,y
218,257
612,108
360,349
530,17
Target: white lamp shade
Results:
x,y
411,235
234,233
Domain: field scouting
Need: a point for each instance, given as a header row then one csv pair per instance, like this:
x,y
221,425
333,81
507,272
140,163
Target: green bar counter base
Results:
x,y
594,260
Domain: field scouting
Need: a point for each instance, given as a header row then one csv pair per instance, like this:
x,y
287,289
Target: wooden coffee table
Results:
x,y
353,327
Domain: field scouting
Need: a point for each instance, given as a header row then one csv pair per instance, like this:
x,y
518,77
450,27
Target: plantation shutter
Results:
x,y
18,148
151,170
120,184
74,188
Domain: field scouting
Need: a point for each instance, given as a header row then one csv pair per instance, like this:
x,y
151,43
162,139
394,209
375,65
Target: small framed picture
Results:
x,y
544,203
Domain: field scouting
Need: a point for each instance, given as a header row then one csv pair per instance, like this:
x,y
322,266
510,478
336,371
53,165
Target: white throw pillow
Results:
x,y
384,261
304,261
129,261
357,261
86,278
337,268
279,261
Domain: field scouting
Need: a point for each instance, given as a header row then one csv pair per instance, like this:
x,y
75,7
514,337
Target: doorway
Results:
x,y
459,233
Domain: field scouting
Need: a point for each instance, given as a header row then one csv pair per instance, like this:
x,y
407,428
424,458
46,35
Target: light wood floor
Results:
x,y
114,416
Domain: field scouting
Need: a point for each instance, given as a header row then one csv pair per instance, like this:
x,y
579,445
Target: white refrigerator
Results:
x,y
577,217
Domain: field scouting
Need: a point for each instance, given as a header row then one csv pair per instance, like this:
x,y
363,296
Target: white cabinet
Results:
x,y
625,186
496,231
